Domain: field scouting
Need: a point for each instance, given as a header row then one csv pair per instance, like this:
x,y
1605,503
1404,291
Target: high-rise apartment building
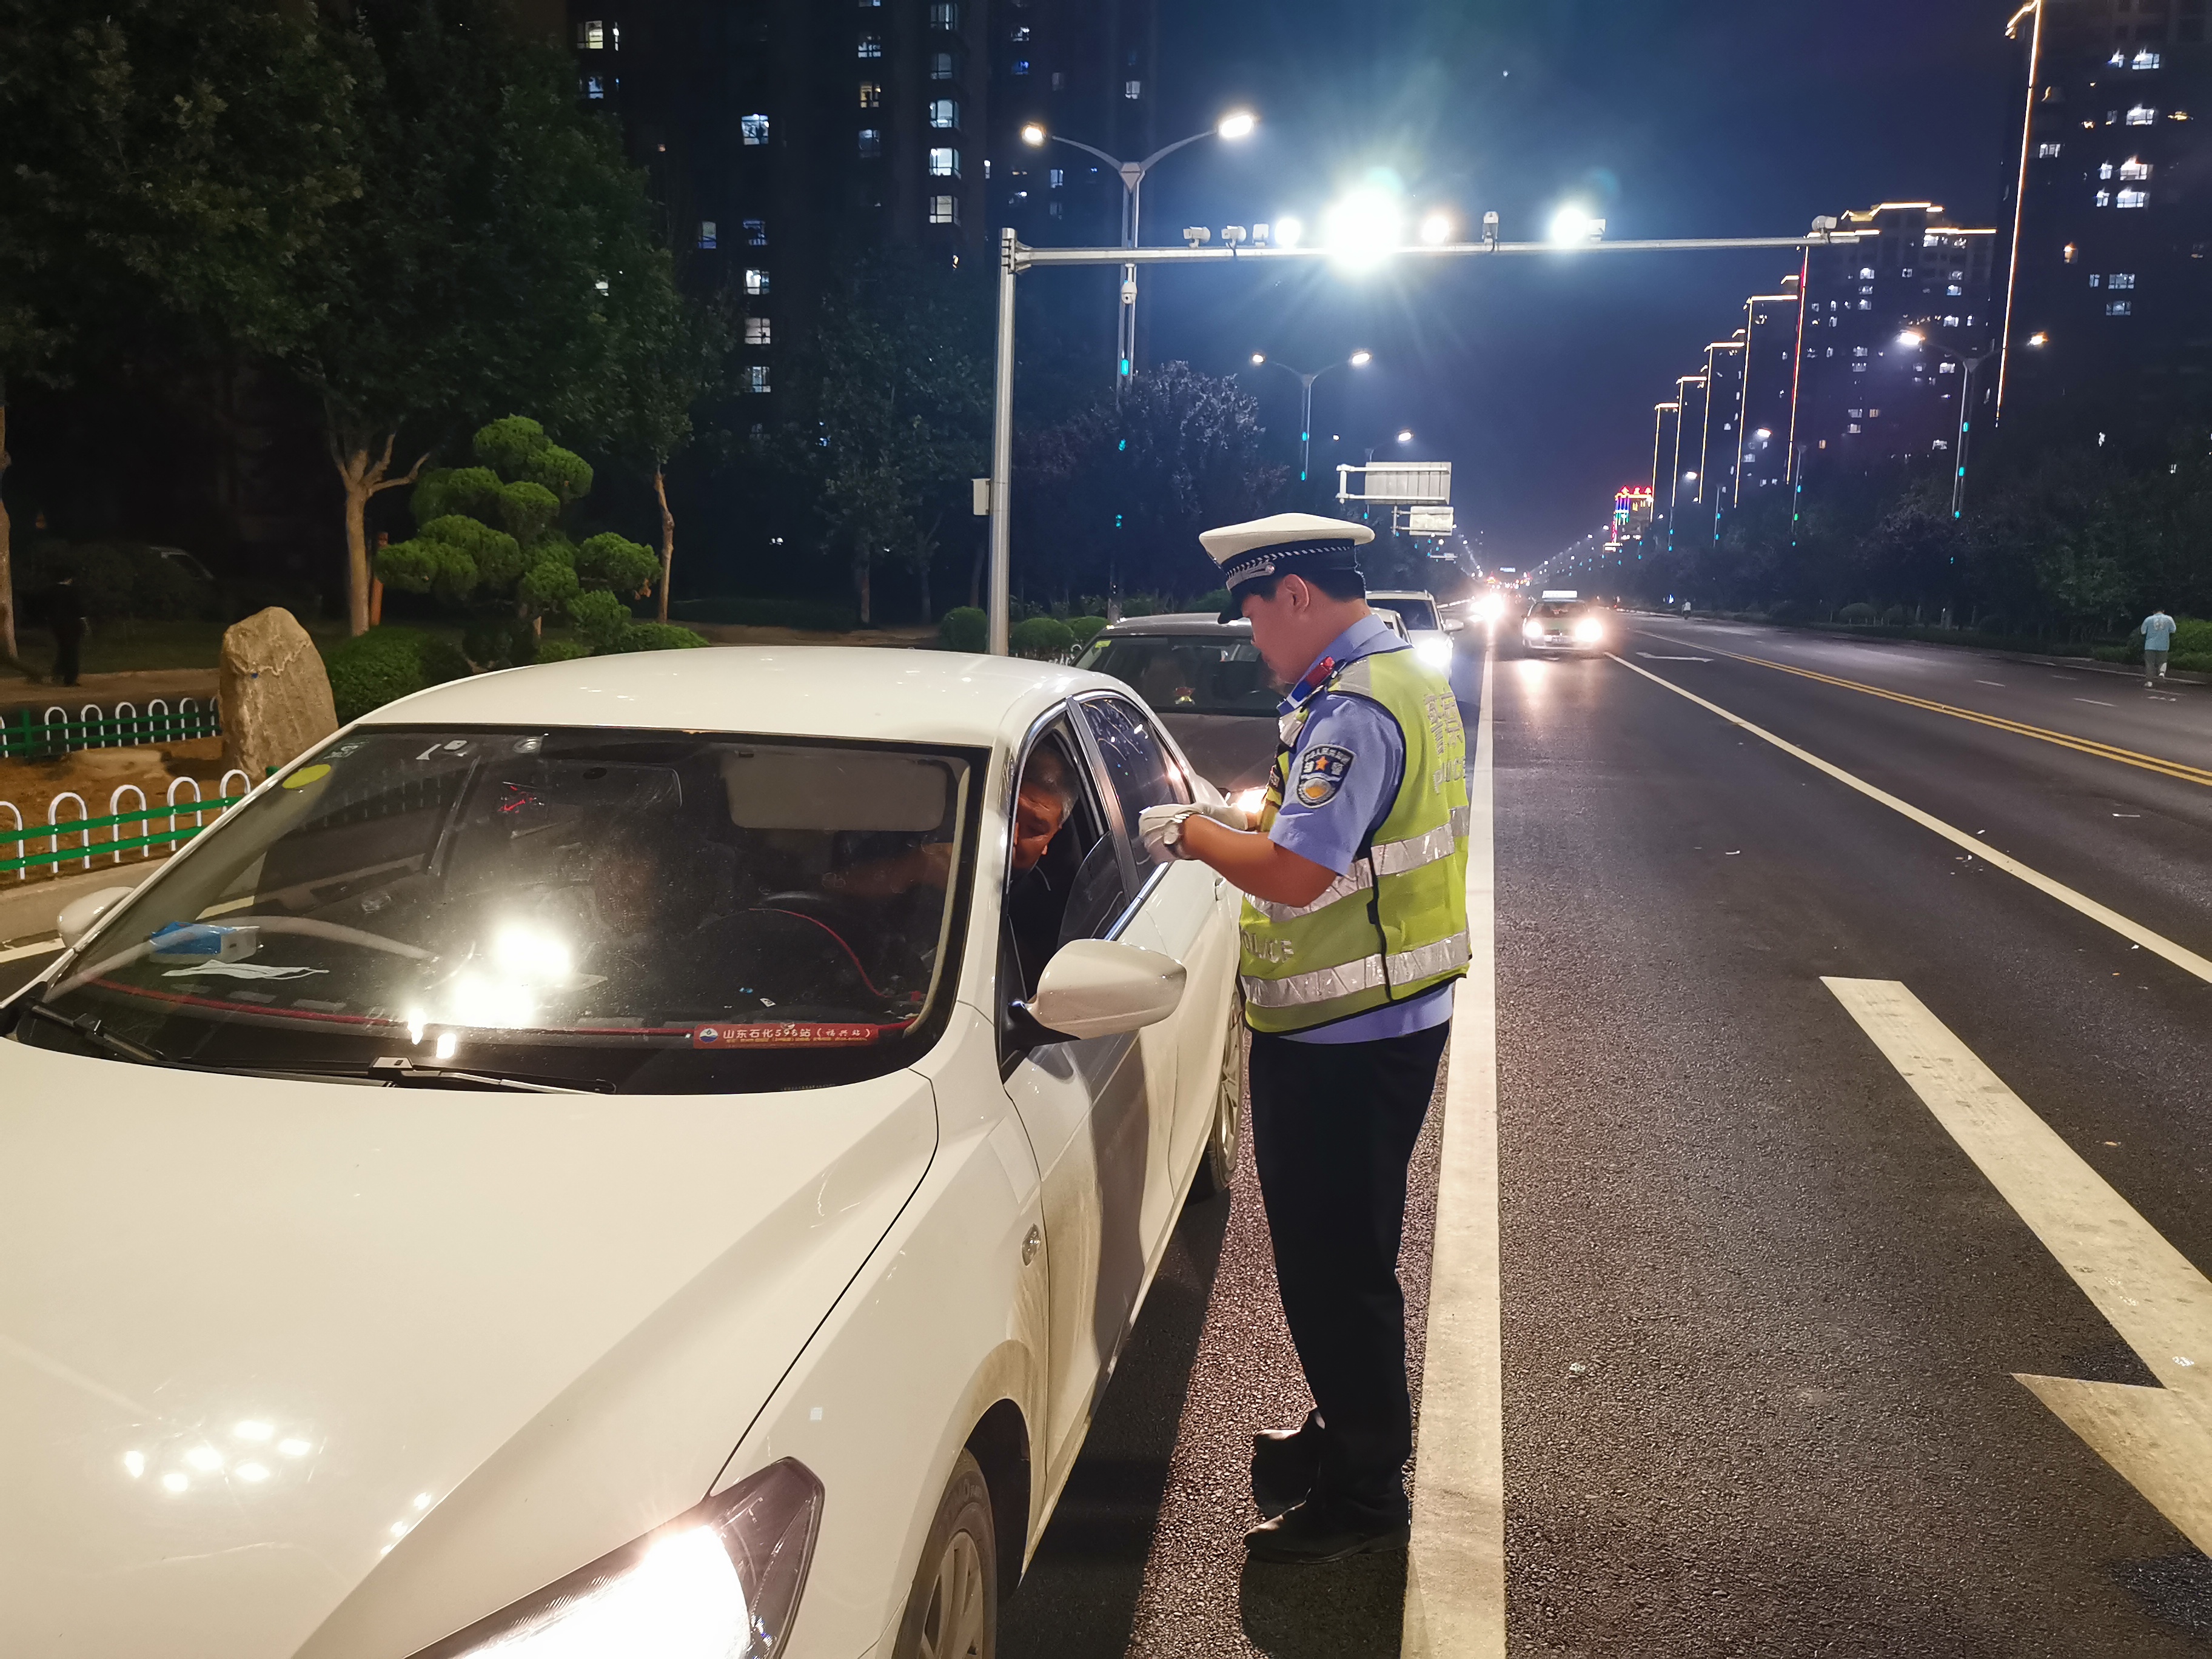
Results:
x,y
2112,266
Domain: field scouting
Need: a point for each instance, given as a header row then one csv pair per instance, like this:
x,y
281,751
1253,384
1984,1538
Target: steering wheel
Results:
x,y
816,918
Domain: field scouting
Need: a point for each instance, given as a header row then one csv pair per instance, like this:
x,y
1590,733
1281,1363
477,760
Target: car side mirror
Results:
x,y
1454,625
81,916
1095,987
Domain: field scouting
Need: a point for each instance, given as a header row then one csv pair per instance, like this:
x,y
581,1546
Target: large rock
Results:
x,y
274,697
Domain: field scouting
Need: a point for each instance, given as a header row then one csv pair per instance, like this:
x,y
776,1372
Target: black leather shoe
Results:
x,y
1304,1536
1284,1463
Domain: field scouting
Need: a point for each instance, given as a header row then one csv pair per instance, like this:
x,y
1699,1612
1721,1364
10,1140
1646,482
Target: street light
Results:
x,y
1238,124
1913,337
1358,359
1437,229
1571,226
1367,228
1406,437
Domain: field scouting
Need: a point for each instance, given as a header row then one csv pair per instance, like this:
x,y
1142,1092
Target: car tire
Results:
x,y
1225,1138
952,1610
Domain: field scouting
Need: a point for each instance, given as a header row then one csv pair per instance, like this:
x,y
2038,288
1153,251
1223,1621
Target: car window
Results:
x,y
641,910
1414,613
1189,675
1065,877
1137,766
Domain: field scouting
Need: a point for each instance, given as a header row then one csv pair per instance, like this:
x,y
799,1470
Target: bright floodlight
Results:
x,y
1259,356
1437,229
1911,338
2038,339
1406,437
1570,225
1361,359
1366,226
1033,135
1238,125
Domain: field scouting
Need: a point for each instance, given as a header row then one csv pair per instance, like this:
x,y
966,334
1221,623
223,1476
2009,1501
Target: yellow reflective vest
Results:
x,y
1394,926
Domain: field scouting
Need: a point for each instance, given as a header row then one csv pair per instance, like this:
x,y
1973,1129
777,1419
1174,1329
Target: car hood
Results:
x,y
416,1352
1231,751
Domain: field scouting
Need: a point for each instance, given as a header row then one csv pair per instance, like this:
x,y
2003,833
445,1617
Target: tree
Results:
x,y
667,358
895,413
1118,495
489,534
488,260
167,168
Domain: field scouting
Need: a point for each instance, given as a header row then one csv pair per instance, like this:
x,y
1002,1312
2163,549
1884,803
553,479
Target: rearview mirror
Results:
x,y
79,917
1094,987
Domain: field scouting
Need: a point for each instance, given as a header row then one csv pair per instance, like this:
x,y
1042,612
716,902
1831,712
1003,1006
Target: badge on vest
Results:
x,y
1321,772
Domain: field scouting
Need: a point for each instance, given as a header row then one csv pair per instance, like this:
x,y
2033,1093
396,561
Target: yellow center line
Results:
x,y
2171,769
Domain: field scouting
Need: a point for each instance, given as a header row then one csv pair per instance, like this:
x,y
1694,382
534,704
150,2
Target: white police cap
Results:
x,y
1286,542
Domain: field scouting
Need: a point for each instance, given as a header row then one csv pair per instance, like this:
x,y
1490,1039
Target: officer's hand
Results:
x,y
1160,829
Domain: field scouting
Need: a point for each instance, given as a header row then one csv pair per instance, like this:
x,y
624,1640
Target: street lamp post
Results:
x,y
1234,126
1357,360
1969,367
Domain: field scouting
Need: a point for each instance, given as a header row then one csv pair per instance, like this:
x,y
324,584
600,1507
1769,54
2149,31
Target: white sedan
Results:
x,y
651,1155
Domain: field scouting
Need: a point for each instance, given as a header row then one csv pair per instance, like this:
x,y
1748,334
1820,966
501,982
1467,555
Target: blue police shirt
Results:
x,y
1353,755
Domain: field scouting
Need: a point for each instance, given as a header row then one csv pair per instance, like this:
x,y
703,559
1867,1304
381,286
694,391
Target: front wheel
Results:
x,y
952,1610
1224,1140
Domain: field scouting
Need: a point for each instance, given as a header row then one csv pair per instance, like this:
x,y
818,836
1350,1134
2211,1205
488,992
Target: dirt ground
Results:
x,y
94,775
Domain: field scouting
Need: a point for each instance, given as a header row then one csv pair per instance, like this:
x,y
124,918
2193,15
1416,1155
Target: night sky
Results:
x,y
1537,377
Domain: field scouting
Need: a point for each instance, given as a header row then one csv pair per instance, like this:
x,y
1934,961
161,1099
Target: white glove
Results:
x,y
1160,828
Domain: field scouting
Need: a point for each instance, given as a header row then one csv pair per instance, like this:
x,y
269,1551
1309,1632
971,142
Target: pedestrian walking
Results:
x,y
1354,931
64,609
2157,631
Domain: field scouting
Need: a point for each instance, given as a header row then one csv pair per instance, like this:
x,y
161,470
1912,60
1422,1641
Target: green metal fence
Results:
x,y
72,840
31,733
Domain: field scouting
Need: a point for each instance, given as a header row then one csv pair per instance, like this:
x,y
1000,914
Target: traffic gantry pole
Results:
x,y
1015,260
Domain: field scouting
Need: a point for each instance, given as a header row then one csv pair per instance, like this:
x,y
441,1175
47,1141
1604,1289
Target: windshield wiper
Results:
x,y
87,1028
397,1071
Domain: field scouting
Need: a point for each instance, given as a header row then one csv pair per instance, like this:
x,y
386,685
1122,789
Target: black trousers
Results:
x,y
1332,1130
67,637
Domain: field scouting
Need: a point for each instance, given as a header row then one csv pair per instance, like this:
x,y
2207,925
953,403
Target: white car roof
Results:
x,y
1401,593
827,691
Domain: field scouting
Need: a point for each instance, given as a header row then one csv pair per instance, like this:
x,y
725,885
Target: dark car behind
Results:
x,y
1205,679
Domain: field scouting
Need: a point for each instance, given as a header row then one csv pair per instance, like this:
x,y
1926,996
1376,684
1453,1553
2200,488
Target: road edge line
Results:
x,y
1456,1565
2134,932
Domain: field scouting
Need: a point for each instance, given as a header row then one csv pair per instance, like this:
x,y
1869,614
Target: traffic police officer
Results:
x,y
1354,931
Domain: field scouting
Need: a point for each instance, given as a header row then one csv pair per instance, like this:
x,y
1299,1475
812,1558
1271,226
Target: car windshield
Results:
x,y
1556,608
1416,613
641,911
1190,674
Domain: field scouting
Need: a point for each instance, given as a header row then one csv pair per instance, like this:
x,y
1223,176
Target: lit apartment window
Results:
x,y
706,233
591,37
758,333
2135,169
2119,308
2121,279
756,377
2142,115
2095,280
1858,351
945,114
754,127
756,281
872,140
945,209
1133,89
755,232
1954,290
1866,273
940,66
2047,150
945,164
871,46
594,87
1866,305
2105,171
2144,60
1021,66
1952,322
1059,177
2132,198
1060,81
944,15
1058,210
2072,253
872,95
1020,37
1858,414
1854,426
1859,368
1946,368
2104,198
872,5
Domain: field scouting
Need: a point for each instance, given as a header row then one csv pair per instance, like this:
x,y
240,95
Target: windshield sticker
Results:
x,y
242,970
787,1035
306,775
1321,772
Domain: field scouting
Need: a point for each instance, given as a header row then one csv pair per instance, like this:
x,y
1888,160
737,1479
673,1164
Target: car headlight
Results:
x,y
1589,630
1437,654
721,1582
1532,629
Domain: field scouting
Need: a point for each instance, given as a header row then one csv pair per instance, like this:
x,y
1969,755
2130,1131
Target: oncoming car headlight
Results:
x,y
1437,654
1532,629
721,1582
1589,630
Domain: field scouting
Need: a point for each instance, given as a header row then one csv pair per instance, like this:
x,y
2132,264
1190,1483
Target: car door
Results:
x,y
1178,913
1087,1107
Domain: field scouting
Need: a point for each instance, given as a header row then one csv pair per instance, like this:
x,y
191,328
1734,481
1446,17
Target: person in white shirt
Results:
x,y
2157,630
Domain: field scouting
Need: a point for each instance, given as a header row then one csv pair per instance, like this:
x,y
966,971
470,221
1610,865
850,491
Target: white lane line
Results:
x,y
17,952
1998,683
1456,1570
2099,701
2134,932
2159,1438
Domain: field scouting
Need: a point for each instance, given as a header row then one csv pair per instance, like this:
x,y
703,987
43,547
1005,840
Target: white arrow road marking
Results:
x,y
2161,1439
1455,1571
17,952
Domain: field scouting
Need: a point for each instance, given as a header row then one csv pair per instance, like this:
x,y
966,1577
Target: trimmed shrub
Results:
x,y
1085,629
1856,613
657,637
1043,639
388,663
2192,635
965,628
1216,601
562,650
811,616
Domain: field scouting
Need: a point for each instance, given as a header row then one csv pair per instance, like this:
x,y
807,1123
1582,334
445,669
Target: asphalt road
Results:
x,y
1764,1312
